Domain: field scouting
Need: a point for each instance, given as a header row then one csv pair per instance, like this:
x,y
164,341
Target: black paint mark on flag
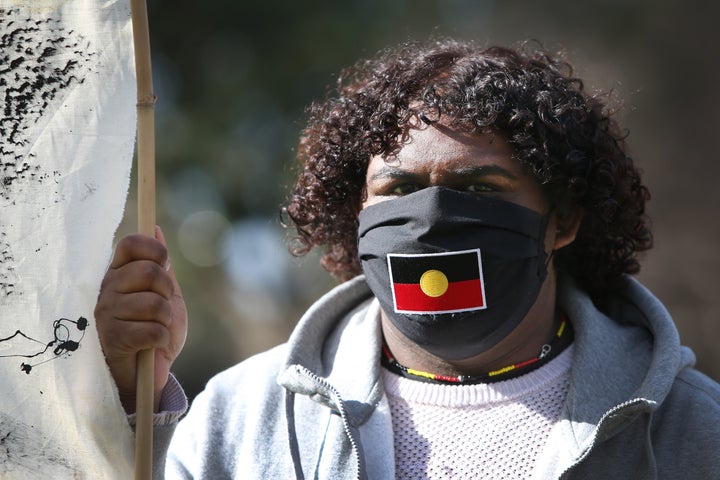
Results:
x,y
39,61
67,337
26,453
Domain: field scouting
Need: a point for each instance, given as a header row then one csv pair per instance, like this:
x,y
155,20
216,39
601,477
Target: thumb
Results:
x,y
161,238
159,235
168,266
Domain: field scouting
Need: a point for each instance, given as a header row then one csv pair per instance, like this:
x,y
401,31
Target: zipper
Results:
x,y
604,418
341,409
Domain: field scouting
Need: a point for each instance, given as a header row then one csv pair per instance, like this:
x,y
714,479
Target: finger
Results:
x,y
136,307
129,337
139,276
139,247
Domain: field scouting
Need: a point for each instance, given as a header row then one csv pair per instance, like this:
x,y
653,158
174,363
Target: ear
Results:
x,y
567,225
357,206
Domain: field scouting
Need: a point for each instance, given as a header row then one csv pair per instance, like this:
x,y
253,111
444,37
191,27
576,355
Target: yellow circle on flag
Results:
x,y
433,283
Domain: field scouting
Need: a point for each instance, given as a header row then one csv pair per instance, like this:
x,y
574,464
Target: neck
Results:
x,y
524,342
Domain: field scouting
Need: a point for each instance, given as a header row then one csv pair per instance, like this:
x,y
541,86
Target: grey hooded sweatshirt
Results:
x,y
315,408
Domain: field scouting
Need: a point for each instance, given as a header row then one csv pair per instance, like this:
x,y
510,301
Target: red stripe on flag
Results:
x,y
465,295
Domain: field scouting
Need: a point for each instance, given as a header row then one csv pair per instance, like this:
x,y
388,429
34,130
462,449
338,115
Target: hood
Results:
x,y
629,350
626,359
339,321
348,383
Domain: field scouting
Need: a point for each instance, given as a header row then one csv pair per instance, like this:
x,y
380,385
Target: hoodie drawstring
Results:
x,y
649,450
292,434
300,380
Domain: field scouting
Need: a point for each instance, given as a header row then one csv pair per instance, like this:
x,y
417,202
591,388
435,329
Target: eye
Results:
x,y
404,189
480,188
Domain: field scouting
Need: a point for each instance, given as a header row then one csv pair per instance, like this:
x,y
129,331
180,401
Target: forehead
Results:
x,y
437,147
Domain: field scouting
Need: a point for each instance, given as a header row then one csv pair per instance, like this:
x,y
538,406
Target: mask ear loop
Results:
x,y
549,259
557,230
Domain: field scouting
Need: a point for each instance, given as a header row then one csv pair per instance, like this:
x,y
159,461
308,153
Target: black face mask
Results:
x,y
455,272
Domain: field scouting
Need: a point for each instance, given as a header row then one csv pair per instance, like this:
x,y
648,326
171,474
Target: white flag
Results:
x,y
67,129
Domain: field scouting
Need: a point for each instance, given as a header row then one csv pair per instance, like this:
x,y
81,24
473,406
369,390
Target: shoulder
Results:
x,y
693,394
236,416
693,398
686,425
248,385
699,386
253,377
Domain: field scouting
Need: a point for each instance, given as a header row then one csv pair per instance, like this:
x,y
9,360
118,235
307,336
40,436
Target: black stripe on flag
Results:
x,y
457,266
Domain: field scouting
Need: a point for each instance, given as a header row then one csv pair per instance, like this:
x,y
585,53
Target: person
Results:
x,y
484,218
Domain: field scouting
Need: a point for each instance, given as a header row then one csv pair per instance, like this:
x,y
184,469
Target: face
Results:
x,y
483,164
437,156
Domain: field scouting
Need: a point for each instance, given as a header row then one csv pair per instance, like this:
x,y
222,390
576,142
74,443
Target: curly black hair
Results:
x,y
562,135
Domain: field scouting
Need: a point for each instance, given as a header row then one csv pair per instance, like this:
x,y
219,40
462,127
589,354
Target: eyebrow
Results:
x,y
393,173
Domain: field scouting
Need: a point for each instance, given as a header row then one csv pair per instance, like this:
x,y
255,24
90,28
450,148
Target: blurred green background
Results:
x,y
233,79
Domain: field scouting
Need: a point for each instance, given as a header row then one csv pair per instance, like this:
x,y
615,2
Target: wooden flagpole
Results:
x,y
146,225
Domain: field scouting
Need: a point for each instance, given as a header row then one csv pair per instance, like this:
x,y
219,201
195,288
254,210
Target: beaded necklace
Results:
x,y
562,338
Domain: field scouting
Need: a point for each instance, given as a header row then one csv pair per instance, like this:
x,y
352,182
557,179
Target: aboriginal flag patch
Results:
x,y
437,282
